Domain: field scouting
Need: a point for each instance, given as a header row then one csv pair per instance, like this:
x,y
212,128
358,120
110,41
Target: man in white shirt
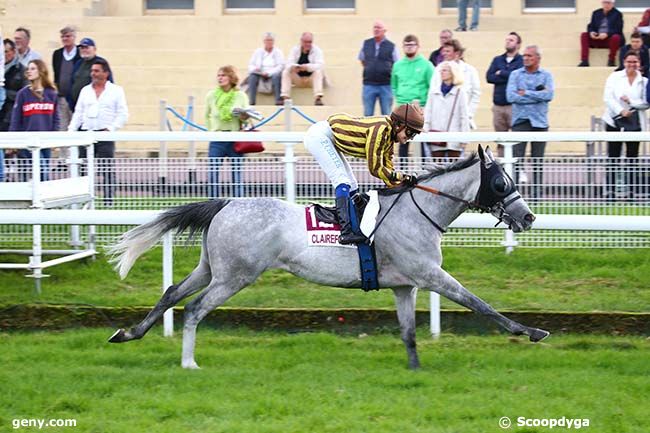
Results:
x,y
265,65
304,68
453,52
101,107
22,36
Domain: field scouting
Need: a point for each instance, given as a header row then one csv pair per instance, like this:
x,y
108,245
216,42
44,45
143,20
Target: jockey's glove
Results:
x,y
409,179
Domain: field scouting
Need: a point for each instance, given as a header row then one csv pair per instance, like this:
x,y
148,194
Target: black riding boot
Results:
x,y
348,236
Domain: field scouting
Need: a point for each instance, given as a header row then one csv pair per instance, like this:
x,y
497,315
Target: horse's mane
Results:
x,y
434,171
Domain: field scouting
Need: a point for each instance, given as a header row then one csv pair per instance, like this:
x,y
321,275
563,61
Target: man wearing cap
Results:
x,y
63,61
371,138
81,70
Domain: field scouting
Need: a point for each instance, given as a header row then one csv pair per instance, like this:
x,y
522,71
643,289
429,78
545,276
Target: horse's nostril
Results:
x,y
530,217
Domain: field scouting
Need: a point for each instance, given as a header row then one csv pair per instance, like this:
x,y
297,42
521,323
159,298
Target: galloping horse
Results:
x,y
243,238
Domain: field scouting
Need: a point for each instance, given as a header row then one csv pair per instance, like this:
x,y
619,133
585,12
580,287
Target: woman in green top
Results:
x,y
218,116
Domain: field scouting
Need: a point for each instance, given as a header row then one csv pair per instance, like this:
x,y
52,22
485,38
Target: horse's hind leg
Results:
x,y
447,286
214,295
405,300
194,282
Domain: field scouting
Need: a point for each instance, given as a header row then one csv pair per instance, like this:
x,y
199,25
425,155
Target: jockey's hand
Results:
x,y
409,180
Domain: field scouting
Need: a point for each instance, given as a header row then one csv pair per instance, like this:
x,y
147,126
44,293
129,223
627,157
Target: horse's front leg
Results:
x,y
443,283
405,301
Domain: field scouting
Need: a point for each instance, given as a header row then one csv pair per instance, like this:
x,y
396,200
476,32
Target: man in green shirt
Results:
x,y
410,79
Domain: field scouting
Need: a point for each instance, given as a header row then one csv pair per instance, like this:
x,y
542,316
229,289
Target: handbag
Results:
x,y
451,114
629,123
249,146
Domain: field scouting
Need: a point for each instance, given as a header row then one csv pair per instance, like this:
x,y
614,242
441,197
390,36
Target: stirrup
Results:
x,y
352,238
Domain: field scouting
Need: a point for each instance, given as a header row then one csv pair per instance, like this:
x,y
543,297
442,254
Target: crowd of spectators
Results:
x,y
445,86
77,95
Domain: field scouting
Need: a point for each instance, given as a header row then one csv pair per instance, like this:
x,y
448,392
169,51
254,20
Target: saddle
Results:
x,y
367,256
328,214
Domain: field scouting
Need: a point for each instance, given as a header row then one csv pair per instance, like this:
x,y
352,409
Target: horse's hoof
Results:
x,y
190,366
538,335
118,337
414,366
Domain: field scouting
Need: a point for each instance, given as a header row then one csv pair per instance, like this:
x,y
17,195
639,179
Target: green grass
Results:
x,y
274,382
540,279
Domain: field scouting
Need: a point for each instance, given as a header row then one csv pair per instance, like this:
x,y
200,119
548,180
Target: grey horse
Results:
x,y
243,238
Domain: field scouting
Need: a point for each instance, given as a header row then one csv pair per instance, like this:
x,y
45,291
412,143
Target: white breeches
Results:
x,y
319,141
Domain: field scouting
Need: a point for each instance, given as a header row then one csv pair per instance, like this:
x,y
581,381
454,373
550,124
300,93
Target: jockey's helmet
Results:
x,y
408,115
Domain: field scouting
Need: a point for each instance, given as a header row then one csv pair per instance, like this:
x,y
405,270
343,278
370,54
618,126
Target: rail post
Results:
x,y
191,174
509,160
289,157
168,272
162,149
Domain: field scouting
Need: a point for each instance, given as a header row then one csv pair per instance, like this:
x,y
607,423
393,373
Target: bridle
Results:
x,y
496,192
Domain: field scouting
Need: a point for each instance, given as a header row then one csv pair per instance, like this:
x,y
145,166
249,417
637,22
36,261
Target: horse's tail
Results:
x,y
194,216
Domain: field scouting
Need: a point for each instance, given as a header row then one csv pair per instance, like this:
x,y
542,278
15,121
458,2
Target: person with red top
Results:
x,y
35,109
605,30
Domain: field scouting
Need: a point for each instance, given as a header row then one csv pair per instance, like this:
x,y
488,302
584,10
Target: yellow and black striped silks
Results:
x,y
370,138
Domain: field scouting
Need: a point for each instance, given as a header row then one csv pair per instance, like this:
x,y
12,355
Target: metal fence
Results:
x,y
557,185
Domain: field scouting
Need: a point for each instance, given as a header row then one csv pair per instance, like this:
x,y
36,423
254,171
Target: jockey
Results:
x,y
371,138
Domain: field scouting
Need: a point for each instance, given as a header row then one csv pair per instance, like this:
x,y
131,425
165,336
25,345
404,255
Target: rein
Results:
x,y
470,204
499,206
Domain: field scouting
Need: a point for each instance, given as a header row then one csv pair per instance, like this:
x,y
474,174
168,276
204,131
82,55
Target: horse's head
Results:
x,y
498,194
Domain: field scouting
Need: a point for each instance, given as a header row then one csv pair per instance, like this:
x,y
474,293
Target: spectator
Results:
x,y
218,117
462,14
81,71
14,80
447,110
498,74
265,70
101,107
644,27
605,30
377,56
410,79
22,36
3,94
2,101
529,90
453,52
63,61
636,44
305,68
35,110
436,56
625,95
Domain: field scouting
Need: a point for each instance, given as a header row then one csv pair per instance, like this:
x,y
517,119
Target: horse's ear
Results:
x,y
481,154
488,152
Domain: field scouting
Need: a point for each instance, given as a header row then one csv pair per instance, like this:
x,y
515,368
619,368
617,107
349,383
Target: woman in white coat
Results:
x,y
447,110
625,100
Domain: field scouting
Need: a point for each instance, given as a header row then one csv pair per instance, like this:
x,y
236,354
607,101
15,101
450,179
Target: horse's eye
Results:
x,y
501,185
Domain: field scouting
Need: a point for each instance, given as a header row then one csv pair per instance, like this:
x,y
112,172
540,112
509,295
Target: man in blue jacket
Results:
x,y
605,30
498,74
636,44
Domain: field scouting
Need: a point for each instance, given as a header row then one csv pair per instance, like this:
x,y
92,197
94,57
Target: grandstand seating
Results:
x,y
169,57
